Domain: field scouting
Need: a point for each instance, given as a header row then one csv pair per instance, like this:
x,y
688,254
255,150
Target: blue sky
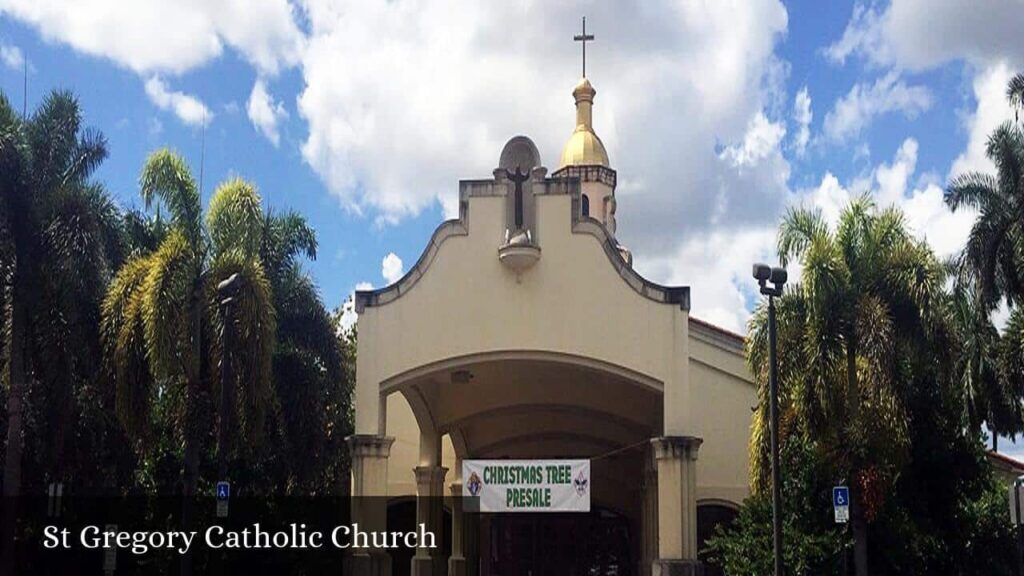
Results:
x,y
363,116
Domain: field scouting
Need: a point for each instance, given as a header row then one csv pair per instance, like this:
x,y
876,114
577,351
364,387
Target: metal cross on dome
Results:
x,y
584,38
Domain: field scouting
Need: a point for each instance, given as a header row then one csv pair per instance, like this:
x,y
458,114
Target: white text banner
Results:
x,y
528,485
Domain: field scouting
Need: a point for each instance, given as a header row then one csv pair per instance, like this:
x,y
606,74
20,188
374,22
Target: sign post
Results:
x,y
110,553
527,485
841,504
53,502
223,495
1016,504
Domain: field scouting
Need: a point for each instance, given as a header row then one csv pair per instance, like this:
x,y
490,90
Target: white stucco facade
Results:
x,y
524,332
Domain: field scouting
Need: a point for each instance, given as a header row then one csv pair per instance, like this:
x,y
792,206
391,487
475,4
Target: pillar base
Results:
x,y
456,566
424,566
677,568
367,565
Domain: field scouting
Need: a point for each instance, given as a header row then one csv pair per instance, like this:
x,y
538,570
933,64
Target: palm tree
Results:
x,y
994,254
1015,91
160,315
995,247
310,383
987,395
58,240
852,337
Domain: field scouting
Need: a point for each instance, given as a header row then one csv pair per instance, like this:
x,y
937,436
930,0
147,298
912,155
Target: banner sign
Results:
x,y
528,485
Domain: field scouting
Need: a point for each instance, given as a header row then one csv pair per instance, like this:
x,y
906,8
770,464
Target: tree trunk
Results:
x,y
193,411
15,423
860,539
860,528
227,389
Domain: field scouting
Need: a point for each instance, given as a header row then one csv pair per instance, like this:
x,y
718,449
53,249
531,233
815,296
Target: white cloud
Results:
x,y
862,36
761,140
11,56
892,178
150,36
889,184
402,101
188,109
992,110
391,268
803,116
858,108
265,112
716,266
349,317
922,34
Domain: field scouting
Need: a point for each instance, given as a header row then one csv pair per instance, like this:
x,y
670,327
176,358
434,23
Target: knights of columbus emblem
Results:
x,y
474,484
580,483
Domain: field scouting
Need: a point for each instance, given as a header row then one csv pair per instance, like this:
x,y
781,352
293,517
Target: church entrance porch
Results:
x,y
556,544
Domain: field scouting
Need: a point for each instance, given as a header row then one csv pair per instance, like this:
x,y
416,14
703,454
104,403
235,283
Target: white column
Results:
x,y
429,503
370,454
457,561
676,458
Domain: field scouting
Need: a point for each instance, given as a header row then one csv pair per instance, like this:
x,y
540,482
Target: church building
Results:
x,y
524,333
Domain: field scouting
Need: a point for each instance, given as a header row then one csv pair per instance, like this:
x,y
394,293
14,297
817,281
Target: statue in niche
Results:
x,y
518,161
518,177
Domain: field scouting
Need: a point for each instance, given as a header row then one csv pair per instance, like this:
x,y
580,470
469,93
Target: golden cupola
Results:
x,y
584,147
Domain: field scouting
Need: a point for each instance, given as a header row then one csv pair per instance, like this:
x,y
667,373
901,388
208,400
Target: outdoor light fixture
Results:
x,y
229,287
777,276
764,273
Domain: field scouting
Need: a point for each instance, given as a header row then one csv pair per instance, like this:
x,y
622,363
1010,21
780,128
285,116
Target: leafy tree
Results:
x,y
988,397
994,254
853,338
870,392
305,449
161,318
59,240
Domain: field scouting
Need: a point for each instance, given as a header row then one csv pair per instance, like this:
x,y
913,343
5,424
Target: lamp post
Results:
x,y
226,292
777,276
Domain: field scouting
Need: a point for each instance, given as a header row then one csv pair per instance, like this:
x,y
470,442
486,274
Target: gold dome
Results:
x,y
584,147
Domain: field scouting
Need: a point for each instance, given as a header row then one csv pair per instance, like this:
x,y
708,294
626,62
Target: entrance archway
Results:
x,y
542,405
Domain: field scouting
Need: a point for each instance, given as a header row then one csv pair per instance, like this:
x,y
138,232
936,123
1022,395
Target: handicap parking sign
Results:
x,y
841,504
223,490
840,496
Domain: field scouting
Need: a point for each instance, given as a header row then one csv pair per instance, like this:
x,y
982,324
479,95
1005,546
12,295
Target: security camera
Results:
x,y
779,276
762,272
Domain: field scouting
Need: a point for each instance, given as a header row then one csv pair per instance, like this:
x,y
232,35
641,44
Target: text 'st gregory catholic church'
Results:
x,y
523,333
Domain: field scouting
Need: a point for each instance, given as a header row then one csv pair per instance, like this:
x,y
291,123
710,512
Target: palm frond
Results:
x,y
169,295
799,228
235,218
972,189
167,177
123,338
1015,91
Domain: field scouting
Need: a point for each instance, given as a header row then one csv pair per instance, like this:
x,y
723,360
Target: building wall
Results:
x,y
723,393
460,301
572,301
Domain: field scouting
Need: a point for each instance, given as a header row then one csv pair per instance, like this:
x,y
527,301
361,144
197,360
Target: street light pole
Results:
x,y
777,276
773,392
226,291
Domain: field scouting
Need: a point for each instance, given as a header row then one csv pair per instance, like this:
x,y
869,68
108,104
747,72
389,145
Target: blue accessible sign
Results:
x,y
223,494
223,490
841,504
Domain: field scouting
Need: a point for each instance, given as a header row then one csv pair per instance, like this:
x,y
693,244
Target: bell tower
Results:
x,y
584,156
